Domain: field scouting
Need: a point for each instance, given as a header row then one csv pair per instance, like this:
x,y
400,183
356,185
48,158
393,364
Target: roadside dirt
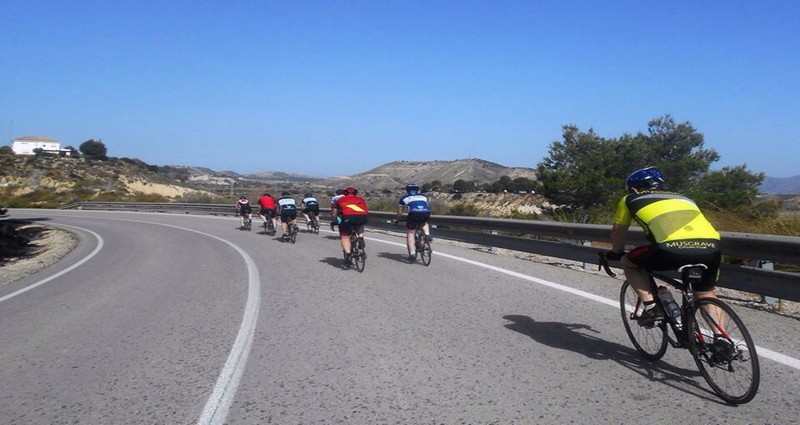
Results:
x,y
31,246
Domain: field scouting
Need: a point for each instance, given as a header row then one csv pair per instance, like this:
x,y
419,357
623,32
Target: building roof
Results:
x,y
35,139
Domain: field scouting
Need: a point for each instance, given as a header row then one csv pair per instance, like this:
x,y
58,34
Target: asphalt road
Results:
x,y
177,319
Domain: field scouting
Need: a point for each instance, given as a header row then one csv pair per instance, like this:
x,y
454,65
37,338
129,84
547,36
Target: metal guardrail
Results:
x,y
560,240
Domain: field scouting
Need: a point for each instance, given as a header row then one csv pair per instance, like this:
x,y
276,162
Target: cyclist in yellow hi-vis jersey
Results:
x,y
678,232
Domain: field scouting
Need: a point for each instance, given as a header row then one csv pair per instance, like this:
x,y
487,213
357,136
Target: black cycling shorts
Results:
x,y
311,209
661,258
351,222
416,217
287,216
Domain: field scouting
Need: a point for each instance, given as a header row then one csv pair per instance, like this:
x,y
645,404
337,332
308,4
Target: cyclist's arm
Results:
x,y
618,235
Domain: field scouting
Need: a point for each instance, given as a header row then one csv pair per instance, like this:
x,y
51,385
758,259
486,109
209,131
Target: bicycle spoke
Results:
x,y
649,341
724,351
426,253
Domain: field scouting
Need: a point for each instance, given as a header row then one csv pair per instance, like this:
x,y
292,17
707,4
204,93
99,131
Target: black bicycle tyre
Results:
x,y
293,233
650,342
426,253
725,381
358,257
359,260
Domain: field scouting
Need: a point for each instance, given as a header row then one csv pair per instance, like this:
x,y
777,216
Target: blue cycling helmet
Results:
x,y
412,188
644,179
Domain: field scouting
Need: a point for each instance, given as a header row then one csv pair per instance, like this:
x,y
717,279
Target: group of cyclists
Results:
x,y
677,231
285,208
349,212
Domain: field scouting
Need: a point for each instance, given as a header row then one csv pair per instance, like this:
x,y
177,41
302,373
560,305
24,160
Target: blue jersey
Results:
x,y
415,202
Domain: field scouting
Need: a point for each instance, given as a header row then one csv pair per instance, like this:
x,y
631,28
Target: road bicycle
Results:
x,y
422,243
358,253
313,224
293,230
713,333
248,223
269,224
269,227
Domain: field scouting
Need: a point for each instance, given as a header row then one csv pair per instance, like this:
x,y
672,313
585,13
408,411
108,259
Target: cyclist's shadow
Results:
x,y
574,337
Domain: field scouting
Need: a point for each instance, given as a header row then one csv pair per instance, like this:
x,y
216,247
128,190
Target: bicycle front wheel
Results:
x,y
426,253
724,351
649,341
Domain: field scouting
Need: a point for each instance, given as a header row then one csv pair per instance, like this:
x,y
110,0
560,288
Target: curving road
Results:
x,y
177,319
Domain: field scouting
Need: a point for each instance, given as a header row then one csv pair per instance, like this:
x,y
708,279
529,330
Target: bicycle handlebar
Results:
x,y
603,264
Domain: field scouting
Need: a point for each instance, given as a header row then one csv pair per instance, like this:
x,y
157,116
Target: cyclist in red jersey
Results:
x,y
267,208
351,215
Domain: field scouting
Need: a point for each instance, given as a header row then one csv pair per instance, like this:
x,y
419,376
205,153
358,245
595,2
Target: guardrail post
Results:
x,y
588,266
768,265
492,248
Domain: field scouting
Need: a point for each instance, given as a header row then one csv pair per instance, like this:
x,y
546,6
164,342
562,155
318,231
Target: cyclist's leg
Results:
x,y
284,224
410,242
634,265
344,237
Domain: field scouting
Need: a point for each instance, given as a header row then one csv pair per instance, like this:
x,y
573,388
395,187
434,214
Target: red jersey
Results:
x,y
266,203
352,205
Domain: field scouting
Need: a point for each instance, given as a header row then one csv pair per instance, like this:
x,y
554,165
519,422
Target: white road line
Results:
x,y
762,352
97,249
218,404
216,408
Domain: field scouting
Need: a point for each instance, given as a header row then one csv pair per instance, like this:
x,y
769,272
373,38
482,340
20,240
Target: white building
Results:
x,y
27,145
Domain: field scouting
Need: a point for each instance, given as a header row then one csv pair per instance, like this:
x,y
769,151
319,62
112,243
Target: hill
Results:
x,y
396,174
781,186
50,181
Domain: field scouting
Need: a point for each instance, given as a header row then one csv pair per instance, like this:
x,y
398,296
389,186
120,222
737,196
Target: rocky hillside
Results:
x,y
396,174
51,181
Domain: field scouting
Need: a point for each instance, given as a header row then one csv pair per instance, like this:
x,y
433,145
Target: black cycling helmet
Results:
x,y
242,197
309,195
340,191
285,194
412,188
644,179
267,194
350,190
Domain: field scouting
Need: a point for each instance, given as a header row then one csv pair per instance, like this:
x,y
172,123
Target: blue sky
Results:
x,y
338,87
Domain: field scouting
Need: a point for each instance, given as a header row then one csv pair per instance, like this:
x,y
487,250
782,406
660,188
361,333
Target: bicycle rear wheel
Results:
x,y
649,341
724,351
358,257
293,233
426,253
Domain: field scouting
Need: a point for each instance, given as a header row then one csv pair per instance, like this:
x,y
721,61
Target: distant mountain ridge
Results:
x,y
780,186
398,173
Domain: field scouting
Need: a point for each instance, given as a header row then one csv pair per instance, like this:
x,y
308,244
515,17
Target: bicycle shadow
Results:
x,y
574,337
400,258
337,262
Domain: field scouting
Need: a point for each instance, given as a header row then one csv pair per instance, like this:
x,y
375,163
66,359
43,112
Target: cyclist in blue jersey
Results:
x,y
287,208
418,212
